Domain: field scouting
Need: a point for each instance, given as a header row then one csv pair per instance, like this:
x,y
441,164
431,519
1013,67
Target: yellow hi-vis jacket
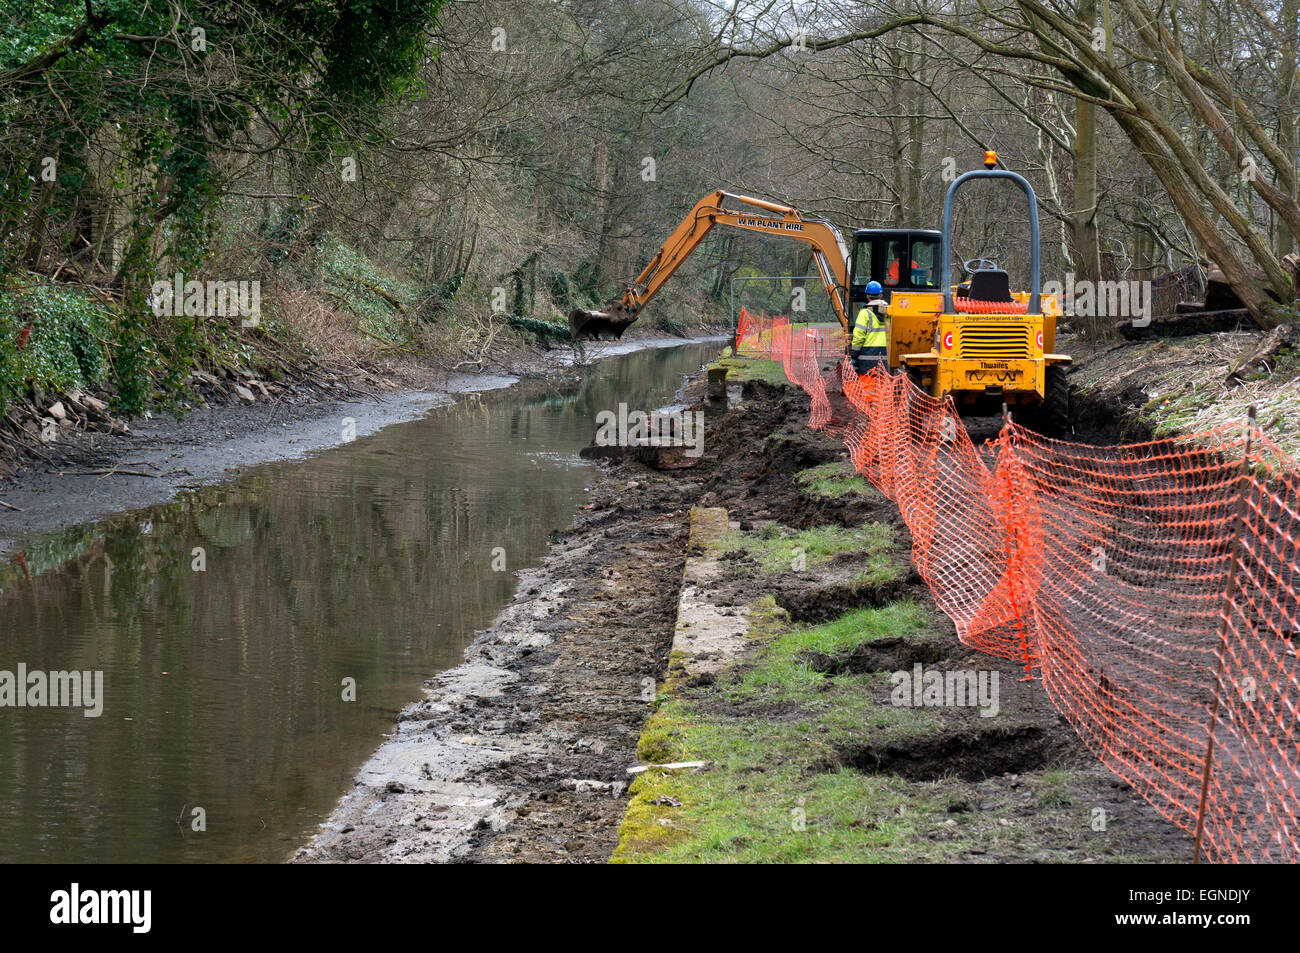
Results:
x,y
869,329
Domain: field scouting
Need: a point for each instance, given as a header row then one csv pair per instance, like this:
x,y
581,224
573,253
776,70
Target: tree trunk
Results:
x,y
1287,137
1083,218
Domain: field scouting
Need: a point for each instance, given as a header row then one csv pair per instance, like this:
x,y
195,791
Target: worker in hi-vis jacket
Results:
x,y
870,343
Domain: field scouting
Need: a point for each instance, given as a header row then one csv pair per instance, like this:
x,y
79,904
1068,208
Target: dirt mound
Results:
x,y
754,450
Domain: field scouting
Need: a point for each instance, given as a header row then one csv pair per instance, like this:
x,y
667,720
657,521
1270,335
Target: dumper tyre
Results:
x,y
1053,417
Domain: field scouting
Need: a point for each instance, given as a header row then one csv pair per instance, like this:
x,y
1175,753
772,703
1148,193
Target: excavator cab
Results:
x,y
907,262
901,259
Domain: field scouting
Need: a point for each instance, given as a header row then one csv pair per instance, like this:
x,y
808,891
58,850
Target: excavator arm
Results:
x,y
828,248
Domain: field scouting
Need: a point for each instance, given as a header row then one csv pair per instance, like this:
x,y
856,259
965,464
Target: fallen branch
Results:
x,y
10,506
1186,324
389,345
390,298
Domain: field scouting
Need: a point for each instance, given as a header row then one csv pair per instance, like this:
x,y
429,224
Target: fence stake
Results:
x,y
1239,523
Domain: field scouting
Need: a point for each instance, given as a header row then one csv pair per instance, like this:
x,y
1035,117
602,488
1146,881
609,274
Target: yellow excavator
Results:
x,y
976,340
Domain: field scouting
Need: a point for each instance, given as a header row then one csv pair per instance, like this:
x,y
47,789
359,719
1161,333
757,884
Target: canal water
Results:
x,y
230,623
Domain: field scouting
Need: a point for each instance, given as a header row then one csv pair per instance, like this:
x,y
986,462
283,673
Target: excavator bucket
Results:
x,y
607,325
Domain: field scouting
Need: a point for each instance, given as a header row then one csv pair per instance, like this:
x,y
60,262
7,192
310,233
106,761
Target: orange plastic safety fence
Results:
x,y
754,336
1153,587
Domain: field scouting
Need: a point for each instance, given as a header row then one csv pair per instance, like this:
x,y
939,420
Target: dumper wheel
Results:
x,y
1052,419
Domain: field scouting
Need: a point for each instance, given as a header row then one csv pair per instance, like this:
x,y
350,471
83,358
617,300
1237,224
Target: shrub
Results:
x,y
50,337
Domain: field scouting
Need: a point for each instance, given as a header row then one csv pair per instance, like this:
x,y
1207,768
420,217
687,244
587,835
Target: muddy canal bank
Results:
x,y
522,752
86,475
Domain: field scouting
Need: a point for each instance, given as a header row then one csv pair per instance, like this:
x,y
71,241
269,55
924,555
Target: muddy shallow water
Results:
x,y
228,622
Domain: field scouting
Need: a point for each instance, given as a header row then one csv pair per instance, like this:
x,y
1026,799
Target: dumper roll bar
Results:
x,y
945,279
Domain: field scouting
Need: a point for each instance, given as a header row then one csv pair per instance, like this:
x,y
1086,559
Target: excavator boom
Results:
x,y
720,208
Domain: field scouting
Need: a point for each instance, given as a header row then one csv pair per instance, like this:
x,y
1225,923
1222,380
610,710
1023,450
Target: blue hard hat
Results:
x,y
873,288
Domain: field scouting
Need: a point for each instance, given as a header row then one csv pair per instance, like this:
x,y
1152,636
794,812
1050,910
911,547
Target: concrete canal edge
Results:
x,y
705,636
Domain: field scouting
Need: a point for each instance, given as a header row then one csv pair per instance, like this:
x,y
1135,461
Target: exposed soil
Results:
x,y
971,755
523,751
823,602
521,754
889,654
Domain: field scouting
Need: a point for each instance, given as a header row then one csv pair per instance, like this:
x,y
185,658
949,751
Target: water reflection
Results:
x,y
227,621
